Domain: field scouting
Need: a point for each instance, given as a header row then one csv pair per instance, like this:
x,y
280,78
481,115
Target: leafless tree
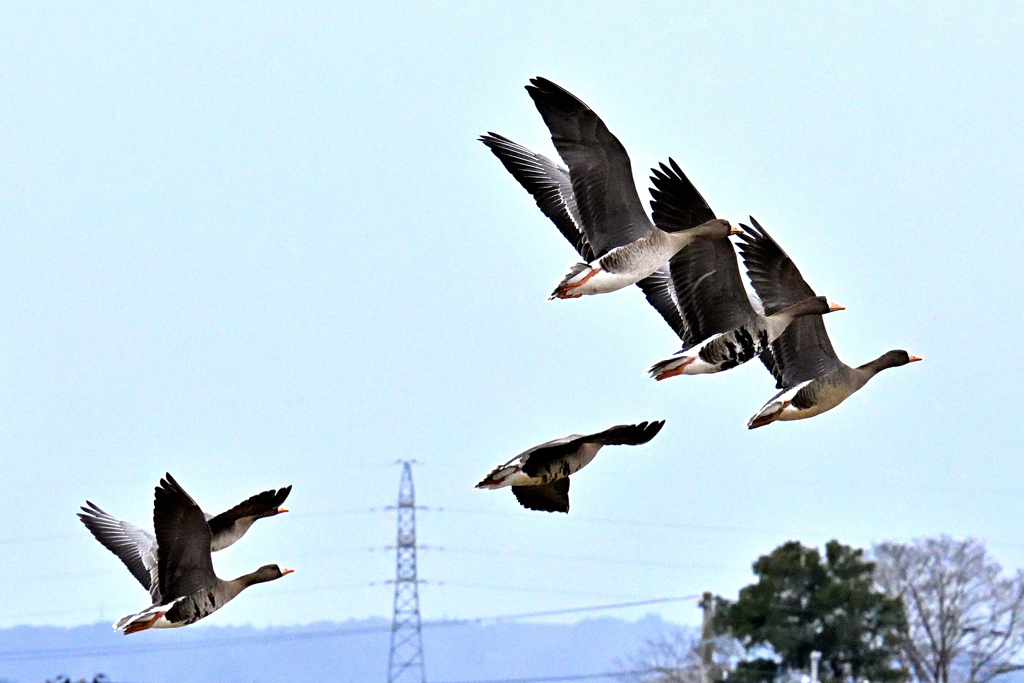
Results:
x,y
965,619
669,658
675,658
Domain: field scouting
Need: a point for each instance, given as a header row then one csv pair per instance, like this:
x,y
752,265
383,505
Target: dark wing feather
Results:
x,y
549,184
706,278
539,457
620,435
768,358
256,506
602,178
551,188
676,203
662,297
183,542
775,277
125,540
553,497
804,350
705,274
627,435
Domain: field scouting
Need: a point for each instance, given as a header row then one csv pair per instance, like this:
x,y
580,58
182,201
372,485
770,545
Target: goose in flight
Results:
x,y
721,328
594,202
187,587
137,548
539,476
807,370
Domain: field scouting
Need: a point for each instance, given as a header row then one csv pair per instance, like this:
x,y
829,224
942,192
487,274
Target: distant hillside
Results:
x,y
354,651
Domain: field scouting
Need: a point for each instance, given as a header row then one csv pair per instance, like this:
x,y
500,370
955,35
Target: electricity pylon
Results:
x,y
405,661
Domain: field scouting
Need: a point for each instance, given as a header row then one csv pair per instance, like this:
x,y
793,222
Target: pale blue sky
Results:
x,y
258,246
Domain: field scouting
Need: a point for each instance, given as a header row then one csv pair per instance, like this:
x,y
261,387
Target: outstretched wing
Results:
x,y
553,497
183,542
658,290
676,201
705,273
132,544
541,457
602,178
627,435
256,506
775,277
549,184
804,350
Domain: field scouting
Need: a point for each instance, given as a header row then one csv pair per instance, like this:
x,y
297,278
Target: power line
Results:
x,y
85,610
490,513
592,558
645,523
42,538
108,651
13,540
718,528
339,513
504,588
577,610
553,679
545,679
453,550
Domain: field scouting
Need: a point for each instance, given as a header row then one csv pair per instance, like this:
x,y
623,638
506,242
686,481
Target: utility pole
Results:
x,y
815,663
405,661
707,638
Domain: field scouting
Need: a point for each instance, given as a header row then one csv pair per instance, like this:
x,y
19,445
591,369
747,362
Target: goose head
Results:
x,y
267,572
895,358
715,229
889,359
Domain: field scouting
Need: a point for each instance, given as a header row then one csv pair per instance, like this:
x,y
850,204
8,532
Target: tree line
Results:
x,y
935,610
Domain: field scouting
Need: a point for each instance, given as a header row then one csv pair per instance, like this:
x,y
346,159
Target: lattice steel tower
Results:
x,y
405,661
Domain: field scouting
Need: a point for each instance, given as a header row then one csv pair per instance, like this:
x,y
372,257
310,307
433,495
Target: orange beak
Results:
x,y
913,358
836,307
280,510
286,571
736,231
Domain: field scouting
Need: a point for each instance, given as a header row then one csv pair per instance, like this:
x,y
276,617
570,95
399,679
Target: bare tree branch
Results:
x,y
675,658
966,621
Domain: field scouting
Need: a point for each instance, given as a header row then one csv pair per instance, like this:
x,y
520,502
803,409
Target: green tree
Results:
x,y
802,602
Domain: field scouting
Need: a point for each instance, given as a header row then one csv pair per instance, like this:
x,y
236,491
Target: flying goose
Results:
x,y
551,188
811,377
721,328
187,587
595,201
539,476
137,548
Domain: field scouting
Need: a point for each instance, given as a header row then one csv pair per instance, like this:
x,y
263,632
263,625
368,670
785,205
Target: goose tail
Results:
x,y
770,413
578,275
498,477
140,621
772,410
777,406
670,367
